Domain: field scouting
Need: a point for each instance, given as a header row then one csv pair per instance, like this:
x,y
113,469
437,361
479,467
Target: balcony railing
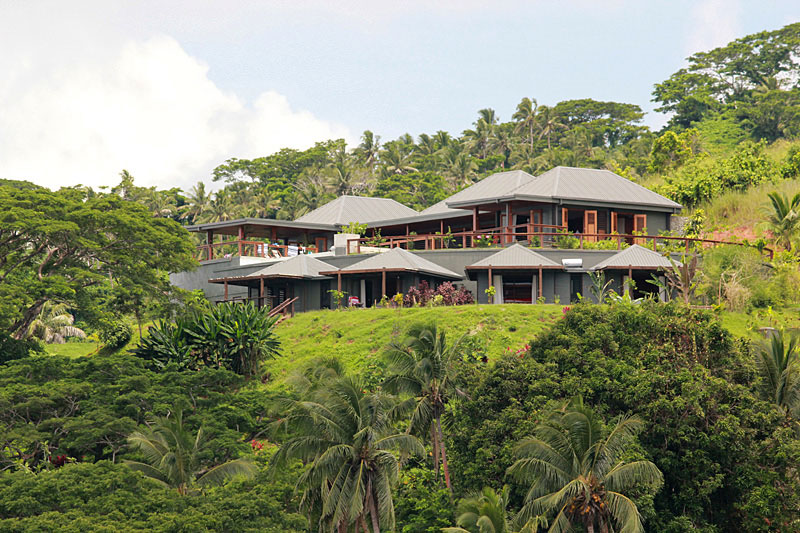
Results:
x,y
496,237
206,252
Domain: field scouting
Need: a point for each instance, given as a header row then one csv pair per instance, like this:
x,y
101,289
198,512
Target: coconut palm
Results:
x,y
487,512
396,159
783,217
342,173
172,456
525,116
369,148
442,139
196,201
502,144
347,435
54,324
427,144
422,366
219,209
574,467
779,366
549,123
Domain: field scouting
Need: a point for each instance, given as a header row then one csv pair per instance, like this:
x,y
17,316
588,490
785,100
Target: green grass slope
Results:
x,y
357,336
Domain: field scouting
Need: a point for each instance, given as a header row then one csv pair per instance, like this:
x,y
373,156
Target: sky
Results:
x,y
168,90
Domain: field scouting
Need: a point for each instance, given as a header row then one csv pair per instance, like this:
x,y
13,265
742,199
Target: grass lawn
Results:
x,y
356,336
92,345
746,325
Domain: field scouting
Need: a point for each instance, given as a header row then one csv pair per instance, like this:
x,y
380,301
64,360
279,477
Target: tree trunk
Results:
x,y
444,456
435,444
20,327
590,527
363,523
373,511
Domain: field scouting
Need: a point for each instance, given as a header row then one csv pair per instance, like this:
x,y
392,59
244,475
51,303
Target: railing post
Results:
x,y
619,242
655,246
581,242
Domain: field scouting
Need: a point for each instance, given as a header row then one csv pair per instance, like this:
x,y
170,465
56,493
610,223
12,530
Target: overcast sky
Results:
x,y
170,89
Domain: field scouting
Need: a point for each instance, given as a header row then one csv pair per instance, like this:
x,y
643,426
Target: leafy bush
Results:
x,y
114,334
11,348
236,336
423,294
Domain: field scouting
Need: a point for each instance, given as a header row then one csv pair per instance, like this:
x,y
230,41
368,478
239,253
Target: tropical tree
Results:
x,y
368,150
423,366
347,435
779,365
197,201
525,116
549,122
783,217
54,324
396,159
487,512
219,209
574,467
172,455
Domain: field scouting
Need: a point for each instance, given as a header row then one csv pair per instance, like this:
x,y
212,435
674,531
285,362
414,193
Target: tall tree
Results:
x,y
53,246
549,122
347,436
424,367
575,469
525,116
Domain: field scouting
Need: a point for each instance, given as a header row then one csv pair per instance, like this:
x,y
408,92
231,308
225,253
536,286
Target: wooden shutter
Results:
x,y
590,225
639,224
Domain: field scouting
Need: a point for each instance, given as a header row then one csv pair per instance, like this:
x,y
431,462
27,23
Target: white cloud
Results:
x,y
713,23
147,106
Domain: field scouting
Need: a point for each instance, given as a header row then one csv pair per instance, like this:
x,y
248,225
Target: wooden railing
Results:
x,y
206,252
285,307
489,238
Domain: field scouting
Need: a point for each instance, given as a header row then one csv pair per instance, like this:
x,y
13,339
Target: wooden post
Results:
x,y
508,238
539,282
490,281
261,293
630,280
474,221
210,244
241,238
619,242
226,292
655,246
383,283
273,235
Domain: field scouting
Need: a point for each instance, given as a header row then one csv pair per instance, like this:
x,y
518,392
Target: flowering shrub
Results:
x,y
423,294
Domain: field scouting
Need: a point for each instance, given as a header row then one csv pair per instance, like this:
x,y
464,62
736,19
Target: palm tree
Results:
x,y
502,144
172,456
442,139
779,365
548,123
423,366
783,217
369,148
525,115
54,324
488,115
478,139
396,159
219,209
574,466
427,144
197,200
347,435
487,512
341,173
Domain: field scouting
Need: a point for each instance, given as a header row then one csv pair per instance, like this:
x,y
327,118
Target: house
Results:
x,y
532,238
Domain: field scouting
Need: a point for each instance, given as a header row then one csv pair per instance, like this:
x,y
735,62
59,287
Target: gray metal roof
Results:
x,y
515,256
361,209
399,259
578,184
634,257
301,266
266,222
494,186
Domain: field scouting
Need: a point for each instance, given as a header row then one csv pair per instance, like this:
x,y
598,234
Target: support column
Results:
x,y
226,291
539,281
474,220
490,282
241,238
261,293
630,280
383,283
210,243
508,238
339,286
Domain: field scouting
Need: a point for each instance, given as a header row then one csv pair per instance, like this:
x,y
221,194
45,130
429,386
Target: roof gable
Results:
x,y
635,257
515,256
399,259
300,266
498,184
362,209
589,184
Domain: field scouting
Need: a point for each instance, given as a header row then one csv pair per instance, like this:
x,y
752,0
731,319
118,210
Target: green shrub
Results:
x,y
11,348
114,334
